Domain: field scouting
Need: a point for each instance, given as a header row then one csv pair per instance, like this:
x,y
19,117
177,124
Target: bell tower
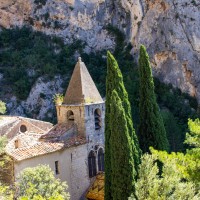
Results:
x,y
83,105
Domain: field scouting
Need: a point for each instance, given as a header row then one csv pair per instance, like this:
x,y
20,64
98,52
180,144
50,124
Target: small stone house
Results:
x,y
74,147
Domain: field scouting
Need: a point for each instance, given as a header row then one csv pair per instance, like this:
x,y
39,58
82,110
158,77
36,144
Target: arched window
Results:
x,y
92,164
101,160
70,115
97,119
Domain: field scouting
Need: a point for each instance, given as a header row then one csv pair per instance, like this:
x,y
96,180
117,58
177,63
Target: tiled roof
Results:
x,y
26,140
10,126
57,131
41,148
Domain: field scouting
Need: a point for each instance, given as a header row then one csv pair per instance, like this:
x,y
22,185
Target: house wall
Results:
x,y
73,166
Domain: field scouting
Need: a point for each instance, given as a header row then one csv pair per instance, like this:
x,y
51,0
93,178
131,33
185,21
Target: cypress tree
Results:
x,y
151,128
122,163
114,81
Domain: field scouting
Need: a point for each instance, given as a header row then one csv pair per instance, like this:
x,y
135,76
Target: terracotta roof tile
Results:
x,y
57,131
38,149
41,148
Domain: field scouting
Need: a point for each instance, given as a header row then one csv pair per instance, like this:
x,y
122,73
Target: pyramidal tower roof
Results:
x,y
81,88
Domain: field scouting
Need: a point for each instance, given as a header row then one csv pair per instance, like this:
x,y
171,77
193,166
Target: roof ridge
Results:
x,y
26,118
33,125
81,74
12,127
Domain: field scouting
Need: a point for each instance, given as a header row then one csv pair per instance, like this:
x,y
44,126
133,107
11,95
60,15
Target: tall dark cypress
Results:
x,y
151,128
121,152
114,81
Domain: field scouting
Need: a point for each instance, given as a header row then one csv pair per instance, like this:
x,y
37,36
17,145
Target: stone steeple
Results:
x,y
81,88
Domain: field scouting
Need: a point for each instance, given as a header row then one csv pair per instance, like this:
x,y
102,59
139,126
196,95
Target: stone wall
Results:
x,y
94,137
78,111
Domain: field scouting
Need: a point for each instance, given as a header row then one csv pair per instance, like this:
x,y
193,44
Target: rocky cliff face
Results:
x,y
170,29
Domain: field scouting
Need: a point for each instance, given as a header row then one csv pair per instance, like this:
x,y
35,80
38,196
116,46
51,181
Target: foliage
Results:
x,y
193,154
121,153
58,98
169,185
26,55
5,162
180,175
114,81
174,131
43,2
3,142
151,128
180,105
2,107
39,183
5,193
193,137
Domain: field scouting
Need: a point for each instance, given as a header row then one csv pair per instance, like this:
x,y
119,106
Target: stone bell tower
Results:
x,y
83,105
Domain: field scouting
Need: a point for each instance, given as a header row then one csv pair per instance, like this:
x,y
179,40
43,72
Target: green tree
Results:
x,y
3,142
151,128
39,183
2,107
121,152
193,154
173,130
169,185
5,193
5,162
180,177
114,81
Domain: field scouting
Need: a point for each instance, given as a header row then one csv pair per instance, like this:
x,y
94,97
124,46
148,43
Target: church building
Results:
x,y
74,147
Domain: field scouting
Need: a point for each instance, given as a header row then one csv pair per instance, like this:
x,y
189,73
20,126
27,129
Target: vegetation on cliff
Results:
x,y
26,55
2,107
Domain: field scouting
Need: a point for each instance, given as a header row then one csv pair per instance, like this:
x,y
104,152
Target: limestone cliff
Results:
x,y
170,29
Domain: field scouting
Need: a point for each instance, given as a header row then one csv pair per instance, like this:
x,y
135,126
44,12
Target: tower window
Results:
x,y
23,128
97,119
70,115
101,160
92,164
57,168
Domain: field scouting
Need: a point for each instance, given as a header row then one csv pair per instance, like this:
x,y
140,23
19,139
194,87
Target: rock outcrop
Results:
x,y
170,29
39,104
